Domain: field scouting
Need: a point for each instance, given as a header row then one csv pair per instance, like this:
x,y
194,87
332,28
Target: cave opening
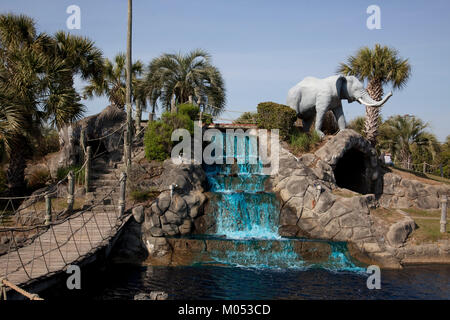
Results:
x,y
350,172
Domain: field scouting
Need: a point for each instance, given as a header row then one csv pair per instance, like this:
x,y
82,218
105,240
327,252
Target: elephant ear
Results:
x,y
340,87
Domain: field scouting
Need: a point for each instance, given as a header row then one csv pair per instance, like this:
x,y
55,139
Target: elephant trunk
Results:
x,y
365,99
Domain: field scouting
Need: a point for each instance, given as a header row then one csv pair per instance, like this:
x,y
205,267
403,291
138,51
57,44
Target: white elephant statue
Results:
x,y
313,97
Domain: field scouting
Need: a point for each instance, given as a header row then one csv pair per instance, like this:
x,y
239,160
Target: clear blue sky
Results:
x,y
263,48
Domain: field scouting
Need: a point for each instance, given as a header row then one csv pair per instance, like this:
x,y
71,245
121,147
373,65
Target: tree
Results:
x,y
247,117
186,79
357,124
112,82
443,159
34,89
406,139
379,67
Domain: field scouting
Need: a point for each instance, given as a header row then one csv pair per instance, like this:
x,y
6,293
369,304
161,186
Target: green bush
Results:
x,y
303,142
157,140
272,115
207,118
194,113
190,110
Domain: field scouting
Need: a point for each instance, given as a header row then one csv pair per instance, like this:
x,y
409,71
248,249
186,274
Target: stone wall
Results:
x,y
174,213
399,192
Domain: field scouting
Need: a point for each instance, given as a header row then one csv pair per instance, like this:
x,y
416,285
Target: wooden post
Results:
x,y
424,167
444,214
87,169
200,120
442,170
123,188
83,142
48,210
70,191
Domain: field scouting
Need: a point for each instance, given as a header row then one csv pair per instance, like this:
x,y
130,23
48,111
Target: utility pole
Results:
x,y
128,90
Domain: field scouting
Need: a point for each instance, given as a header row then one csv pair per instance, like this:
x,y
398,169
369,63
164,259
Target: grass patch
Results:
x,y
423,213
79,174
345,193
424,177
143,195
428,231
386,214
302,142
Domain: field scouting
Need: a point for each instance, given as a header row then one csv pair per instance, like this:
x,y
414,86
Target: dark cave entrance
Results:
x,y
350,172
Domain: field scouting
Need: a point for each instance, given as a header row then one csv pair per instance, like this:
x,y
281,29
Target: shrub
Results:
x,y
272,115
247,117
47,143
61,173
38,179
304,142
143,195
157,140
189,110
207,118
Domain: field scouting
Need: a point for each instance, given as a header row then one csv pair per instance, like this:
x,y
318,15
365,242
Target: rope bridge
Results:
x,y
40,242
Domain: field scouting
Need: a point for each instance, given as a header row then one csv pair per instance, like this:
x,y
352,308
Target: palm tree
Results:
x,y
186,79
80,55
113,80
34,89
405,138
379,67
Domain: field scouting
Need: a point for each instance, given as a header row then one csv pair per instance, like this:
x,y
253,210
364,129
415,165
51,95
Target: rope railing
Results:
x,y
5,282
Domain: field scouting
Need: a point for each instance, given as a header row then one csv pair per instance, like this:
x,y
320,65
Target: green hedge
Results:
x,y
190,110
194,113
157,140
272,115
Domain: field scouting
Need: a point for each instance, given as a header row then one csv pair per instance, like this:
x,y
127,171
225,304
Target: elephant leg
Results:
x,y
339,115
307,124
319,121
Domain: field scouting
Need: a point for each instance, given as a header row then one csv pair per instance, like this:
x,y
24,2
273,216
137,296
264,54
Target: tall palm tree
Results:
x,y
187,78
379,66
405,136
33,90
113,80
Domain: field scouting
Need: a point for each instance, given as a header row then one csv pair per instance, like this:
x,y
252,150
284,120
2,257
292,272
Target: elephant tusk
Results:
x,y
376,104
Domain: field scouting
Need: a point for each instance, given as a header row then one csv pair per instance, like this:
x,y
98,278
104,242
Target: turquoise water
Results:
x,y
244,211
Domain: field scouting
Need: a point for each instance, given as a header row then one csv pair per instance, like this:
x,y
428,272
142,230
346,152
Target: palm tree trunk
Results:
x,y
173,107
375,90
128,89
151,116
15,174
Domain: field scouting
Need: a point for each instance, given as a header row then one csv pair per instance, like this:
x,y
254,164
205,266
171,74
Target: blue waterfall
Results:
x,y
248,215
